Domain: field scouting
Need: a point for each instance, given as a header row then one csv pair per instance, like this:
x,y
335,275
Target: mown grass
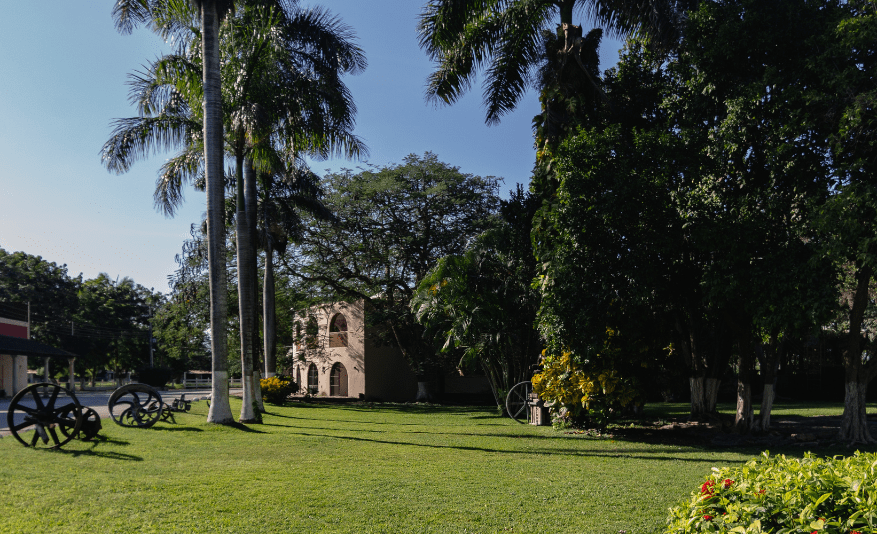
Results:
x,y
352,469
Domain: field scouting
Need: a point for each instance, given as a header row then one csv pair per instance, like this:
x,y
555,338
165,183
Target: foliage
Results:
x,y
277,388
481,303
393,224
582,393
506,40
51,291
783,495
103,321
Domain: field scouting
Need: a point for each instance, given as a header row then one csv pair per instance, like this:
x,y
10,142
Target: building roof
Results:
x,y
17,346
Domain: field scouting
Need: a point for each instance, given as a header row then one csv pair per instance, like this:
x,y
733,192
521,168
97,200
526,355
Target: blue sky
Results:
x,y
63,72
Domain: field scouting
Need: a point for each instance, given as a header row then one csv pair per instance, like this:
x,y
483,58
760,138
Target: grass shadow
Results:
x,y
244,428
92,451
175,428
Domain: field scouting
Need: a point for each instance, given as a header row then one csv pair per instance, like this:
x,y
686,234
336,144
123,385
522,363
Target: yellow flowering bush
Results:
x,y
576,393
276,389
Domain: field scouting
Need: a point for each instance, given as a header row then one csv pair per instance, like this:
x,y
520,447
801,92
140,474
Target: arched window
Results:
x,y
298,377
312,332
313,380
338,381
338,331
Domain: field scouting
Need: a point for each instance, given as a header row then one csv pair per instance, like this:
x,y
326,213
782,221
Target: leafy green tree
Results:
x,y
481,303
113,319
393,224
47,287
507,39
849,99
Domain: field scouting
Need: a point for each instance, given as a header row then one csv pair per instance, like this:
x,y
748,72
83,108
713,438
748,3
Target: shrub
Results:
x,y
276,389
784,496
577,394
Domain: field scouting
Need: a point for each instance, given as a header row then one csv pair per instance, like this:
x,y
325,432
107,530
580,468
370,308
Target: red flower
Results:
x,y
707,517
728,482
707,488
855,532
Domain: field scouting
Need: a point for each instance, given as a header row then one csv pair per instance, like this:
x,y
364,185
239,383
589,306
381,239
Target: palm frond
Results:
x,y
186,167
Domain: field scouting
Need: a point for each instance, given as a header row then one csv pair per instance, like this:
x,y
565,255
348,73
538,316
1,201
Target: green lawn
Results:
x,y
350,468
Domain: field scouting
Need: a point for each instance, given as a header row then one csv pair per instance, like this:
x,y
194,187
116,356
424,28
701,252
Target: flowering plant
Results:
x,y
574,390
784,496
276,389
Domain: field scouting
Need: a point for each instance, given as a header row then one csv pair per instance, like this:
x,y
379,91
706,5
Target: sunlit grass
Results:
x,y
350,468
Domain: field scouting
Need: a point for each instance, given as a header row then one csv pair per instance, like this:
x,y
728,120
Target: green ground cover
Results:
x,y
352,468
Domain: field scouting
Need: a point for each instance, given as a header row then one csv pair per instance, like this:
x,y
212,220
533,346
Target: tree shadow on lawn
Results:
x,y
615,453
786,436
163,428
94,453
355,422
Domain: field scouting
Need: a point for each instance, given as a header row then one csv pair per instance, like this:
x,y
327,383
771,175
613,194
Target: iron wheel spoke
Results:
x,y
52,399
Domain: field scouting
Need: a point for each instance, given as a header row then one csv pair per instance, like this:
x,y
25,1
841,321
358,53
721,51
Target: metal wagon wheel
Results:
x,y
516,401
90,426
44,417
135,405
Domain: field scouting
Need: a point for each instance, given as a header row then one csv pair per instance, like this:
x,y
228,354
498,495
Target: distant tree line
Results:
x,y
103,321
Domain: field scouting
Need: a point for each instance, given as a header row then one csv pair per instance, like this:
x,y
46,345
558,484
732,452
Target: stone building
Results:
x,y
337,356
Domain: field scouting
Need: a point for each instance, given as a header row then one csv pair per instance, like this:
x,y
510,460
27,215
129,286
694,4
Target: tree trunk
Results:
x,y
245,297
769,364
269,311
712,394
698,397
854,423
220,410
743,417
251,203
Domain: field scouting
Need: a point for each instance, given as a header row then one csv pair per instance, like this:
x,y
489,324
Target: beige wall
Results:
x,y
7,374
373,372
324,356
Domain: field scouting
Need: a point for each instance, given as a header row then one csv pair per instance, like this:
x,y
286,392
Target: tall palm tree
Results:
x,y
506,38
283,96
130,13
284,195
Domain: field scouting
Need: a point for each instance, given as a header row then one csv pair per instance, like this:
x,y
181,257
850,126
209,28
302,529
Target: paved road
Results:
x,y
98,401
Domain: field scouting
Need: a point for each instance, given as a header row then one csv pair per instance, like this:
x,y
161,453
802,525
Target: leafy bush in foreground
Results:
x,y
784,496
276,389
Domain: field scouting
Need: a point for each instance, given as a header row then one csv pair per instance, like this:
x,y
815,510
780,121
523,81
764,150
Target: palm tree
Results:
x,y
283,96
507,39
130,13
284,195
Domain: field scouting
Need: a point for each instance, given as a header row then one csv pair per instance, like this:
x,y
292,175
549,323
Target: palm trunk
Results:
x,y
854,423
245,297
253,267
220,410
269,312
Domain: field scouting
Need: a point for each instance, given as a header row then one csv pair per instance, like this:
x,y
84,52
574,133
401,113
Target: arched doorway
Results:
x,y
313,380
338,381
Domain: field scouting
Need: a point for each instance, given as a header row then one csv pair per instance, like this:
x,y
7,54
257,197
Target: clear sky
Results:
x,y
63,72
